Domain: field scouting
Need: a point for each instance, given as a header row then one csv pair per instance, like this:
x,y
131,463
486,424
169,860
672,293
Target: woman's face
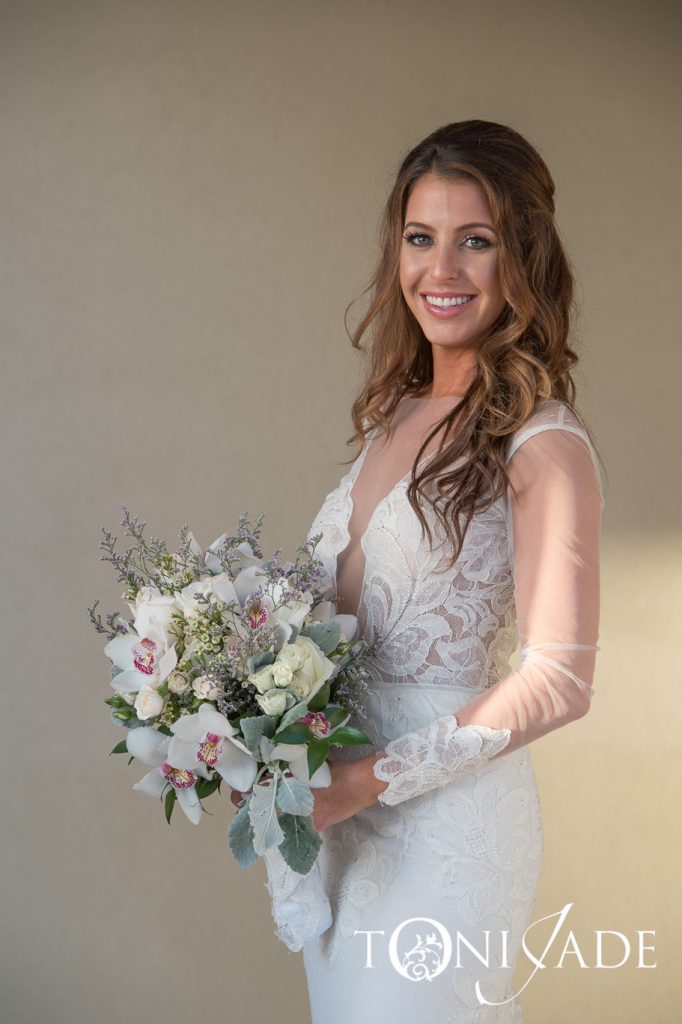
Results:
x,y
450,250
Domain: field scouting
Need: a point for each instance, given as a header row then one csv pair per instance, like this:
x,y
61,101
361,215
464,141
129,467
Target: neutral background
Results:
x,y
189,195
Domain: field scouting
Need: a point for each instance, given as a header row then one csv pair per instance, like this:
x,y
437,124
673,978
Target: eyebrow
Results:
x,y
462,227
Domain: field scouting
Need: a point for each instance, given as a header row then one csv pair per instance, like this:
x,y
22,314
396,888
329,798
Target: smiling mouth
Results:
x,y
447,301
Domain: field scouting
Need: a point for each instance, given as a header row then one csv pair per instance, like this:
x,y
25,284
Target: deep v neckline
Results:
x,y
350,508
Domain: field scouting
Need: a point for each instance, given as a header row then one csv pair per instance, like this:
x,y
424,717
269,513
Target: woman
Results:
x,y
472,511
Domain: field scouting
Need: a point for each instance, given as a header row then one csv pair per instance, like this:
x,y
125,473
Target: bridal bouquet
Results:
x,y
237,668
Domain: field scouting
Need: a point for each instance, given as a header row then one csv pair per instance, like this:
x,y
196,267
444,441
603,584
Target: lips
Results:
x,y
447,312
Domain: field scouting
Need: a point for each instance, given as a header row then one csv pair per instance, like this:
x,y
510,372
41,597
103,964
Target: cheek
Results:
x,y
408,274
489,278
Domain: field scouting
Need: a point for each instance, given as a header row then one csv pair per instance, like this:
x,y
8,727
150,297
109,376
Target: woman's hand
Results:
x,y
353,787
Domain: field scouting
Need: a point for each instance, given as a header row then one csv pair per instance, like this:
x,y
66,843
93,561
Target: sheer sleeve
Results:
x,y
554,523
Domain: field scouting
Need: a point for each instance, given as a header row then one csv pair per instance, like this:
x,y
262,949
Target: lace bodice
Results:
x,y
528,569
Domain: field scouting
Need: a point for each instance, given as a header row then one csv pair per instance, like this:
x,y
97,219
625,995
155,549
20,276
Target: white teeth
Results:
x,y
434,300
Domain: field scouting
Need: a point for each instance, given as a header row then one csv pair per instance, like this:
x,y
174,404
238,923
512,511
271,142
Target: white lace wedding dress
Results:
x,y
458,840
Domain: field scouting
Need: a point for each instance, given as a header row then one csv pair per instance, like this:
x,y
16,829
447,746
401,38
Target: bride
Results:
x,y
469,520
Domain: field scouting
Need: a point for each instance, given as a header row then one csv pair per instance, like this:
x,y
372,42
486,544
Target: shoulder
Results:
x,y
554,437
552,414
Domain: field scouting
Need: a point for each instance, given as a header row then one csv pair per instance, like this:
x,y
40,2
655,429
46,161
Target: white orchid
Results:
x,y
325,611
248,581
219,586
296,756
153,610
144,660
208,739
152,747
243,553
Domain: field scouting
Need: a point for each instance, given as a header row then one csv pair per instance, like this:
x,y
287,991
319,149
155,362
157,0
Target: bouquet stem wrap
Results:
x,y
300,907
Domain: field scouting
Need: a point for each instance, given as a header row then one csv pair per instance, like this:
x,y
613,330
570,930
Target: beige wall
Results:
x,y
188,201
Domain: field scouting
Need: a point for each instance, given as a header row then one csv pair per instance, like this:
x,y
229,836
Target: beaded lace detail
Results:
x,y
422,760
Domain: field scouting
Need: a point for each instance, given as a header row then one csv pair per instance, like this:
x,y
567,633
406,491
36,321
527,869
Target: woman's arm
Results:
x,y
555,526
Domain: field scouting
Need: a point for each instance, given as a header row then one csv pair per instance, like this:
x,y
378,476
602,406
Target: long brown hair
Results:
x,y
525,357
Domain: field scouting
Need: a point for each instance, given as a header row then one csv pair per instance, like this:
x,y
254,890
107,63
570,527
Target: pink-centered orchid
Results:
x,y
144,660
152,748
208,739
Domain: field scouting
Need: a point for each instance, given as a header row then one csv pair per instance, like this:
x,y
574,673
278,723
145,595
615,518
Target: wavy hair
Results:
x,y
525,357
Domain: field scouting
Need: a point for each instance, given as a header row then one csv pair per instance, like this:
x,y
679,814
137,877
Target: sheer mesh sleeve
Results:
x,y
554,531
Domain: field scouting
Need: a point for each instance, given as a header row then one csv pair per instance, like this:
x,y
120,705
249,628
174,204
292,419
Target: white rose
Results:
x,y
262,679
282,673
274,702
205,688
314,671
148,703
177,683
291,655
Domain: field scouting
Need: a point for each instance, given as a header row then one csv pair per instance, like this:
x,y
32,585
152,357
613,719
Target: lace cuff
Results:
x,y
434,755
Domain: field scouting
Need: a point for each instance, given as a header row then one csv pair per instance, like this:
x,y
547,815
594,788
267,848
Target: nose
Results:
x,y
446,262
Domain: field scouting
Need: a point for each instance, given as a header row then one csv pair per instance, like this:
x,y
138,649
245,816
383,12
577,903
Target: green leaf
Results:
x,y
321,698
336,714
298,733
294,796
317,754
256,661
292,715
205,787
240,838
120,748
301,842
169,803
256,726
263,815
325,634
349,736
